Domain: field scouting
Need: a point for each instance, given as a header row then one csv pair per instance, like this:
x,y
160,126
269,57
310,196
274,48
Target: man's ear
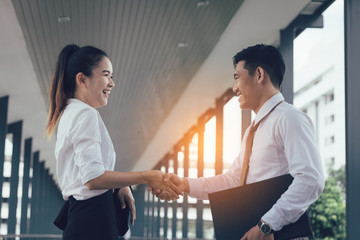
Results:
x,y
260,74
80,79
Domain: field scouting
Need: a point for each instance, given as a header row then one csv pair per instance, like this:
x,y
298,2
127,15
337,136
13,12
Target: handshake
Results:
x,y
167,186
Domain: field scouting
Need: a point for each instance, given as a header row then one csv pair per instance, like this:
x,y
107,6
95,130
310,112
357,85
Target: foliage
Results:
x,y
327,214
339,176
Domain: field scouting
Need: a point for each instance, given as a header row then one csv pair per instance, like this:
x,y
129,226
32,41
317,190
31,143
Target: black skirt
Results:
x,y
92,219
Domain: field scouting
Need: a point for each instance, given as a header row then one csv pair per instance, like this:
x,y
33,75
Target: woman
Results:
x,y
84,152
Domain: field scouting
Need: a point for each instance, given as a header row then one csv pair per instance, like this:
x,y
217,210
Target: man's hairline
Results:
x,y
251,74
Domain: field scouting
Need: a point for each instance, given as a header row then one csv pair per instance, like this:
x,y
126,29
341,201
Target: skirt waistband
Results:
x,y
72,200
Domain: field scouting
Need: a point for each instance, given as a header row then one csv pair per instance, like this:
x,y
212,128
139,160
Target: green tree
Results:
x,y
327,214
339,176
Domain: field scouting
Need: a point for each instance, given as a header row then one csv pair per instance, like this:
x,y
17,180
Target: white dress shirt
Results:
x,y
83,150
284,143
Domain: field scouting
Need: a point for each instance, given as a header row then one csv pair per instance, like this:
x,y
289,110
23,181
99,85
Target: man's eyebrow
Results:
x,y
106,71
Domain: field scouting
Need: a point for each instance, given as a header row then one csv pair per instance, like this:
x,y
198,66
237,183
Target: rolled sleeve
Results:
x,y
89,161
86,139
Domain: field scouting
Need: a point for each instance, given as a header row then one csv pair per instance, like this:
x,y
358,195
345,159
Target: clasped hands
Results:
x,y
170,187
178,185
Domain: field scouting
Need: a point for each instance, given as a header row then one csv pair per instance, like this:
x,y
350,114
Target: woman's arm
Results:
x,y
154,178
127,199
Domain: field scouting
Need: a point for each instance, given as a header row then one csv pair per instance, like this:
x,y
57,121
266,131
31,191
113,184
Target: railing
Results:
x,y
30,236
57,236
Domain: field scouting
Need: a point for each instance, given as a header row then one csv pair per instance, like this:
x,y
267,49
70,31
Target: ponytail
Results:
x,y
72,60
58,92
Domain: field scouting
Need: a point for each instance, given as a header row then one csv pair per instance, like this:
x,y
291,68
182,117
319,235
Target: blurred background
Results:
x,y
172,107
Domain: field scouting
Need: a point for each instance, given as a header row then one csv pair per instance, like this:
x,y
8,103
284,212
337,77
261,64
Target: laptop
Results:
x,y
235,211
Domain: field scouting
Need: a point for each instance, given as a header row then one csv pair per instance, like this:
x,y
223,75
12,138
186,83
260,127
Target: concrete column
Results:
x,y
16,130
185,205
352,114
219,113
3,130
200,166
26,182
34,214
174,204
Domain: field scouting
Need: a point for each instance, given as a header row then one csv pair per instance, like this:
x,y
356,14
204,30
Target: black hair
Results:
x,y
71,61
266,56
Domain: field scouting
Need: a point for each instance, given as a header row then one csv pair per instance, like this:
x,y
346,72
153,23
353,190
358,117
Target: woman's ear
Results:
x,y
80,79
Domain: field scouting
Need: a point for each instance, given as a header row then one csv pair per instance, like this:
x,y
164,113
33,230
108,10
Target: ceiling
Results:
x,y
171,59
156,48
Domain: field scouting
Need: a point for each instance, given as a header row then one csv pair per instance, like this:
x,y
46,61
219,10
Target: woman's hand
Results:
x,y
168,189
127,199
181,183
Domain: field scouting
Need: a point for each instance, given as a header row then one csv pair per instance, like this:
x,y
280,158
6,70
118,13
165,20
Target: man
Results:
x,y
284,142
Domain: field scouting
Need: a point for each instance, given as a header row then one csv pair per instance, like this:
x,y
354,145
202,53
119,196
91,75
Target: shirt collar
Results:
x,y
77,101
268,106
73,100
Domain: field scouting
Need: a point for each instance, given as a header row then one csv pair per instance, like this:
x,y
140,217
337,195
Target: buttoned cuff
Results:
x,y
272,222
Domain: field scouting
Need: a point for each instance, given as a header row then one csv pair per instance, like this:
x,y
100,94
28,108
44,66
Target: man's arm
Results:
x,y
296,133
253,234
198,188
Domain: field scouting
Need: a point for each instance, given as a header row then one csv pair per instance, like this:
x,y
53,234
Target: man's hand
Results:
x,y
168,189
126,198
170,178
182,183
256,234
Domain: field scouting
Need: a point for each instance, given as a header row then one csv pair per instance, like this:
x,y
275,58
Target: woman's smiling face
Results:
x,y
99,84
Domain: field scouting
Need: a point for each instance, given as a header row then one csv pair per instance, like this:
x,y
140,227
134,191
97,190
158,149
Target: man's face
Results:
x,y
246,88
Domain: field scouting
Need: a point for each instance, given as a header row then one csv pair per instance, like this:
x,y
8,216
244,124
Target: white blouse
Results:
x,y
284,143
83,150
